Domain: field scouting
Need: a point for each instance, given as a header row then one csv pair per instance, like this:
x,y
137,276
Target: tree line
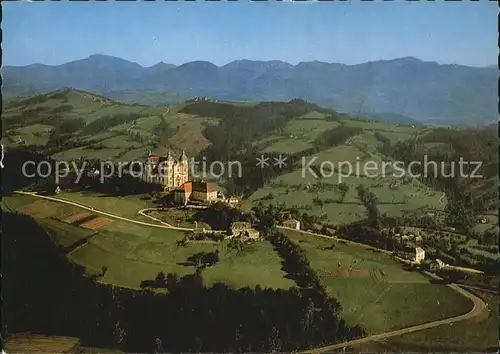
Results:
x,y
44,293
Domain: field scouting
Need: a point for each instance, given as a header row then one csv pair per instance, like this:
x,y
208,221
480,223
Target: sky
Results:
x,y
348,32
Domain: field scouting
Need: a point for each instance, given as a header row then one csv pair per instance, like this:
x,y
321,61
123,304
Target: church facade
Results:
x,y
166,171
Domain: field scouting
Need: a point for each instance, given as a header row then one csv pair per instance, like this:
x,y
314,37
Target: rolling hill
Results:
x,y
424,91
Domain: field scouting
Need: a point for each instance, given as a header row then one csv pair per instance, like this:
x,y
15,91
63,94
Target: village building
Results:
x,y
166,171
232,201
243,229
195,191
419,255
437,265
93,173
483,220
292,224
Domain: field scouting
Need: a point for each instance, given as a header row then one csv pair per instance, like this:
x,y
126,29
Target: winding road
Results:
x,y
478,305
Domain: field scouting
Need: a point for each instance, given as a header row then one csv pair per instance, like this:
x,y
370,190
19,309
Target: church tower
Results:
x,y
168,172
182,170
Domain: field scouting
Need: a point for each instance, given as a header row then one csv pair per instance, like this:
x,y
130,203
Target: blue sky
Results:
x,y
177,32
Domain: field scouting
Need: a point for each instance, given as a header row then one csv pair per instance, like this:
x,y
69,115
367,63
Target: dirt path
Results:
x,y
58,200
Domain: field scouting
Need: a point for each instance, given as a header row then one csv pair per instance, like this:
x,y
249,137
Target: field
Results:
x,y
473,335
298,134
176,217
298,188
189,131
356,162
126,141
36,134
134,253
63,234
126,206
95,223
373,288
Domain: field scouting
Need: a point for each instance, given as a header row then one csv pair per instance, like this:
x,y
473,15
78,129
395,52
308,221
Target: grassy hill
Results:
x,y
71,124
135,253
373,288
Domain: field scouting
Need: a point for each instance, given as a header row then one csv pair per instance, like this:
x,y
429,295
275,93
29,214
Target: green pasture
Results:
x,y
377,292
133,253
473,335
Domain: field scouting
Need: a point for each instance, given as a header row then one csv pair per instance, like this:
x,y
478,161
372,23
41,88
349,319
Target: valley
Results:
x,y
145,238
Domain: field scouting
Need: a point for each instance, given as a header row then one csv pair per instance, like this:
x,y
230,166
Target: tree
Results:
x,y
319,202
104,270
172,280
236,243
274,340
344,189
160,279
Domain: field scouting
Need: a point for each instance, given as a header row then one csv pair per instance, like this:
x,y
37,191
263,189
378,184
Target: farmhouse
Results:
x,y
195,191
166,170
292,224
243,229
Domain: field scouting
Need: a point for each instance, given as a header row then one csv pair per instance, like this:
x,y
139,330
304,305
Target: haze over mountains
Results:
x,y
408,88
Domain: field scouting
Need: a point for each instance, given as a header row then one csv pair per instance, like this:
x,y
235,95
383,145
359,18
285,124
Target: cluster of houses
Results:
x,y
200,99
405,234
239,229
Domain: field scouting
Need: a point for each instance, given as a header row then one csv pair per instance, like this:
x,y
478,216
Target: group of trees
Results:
x,y
334,137
324,310
104,123
370,201
39,115
57,298
15,178
467,196
220,216
229,142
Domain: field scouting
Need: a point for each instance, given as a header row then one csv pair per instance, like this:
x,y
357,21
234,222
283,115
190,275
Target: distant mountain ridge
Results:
x,y
419,90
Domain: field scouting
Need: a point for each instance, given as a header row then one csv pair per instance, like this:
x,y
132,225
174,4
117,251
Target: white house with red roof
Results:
x,y
196,191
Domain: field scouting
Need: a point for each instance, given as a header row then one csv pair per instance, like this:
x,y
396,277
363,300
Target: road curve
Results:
x,y
143,213
478,307
64,201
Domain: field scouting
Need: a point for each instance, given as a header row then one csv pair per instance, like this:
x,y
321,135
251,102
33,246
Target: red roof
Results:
x,y
196,186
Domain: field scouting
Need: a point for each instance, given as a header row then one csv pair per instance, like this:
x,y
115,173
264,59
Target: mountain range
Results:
x,y
428,92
